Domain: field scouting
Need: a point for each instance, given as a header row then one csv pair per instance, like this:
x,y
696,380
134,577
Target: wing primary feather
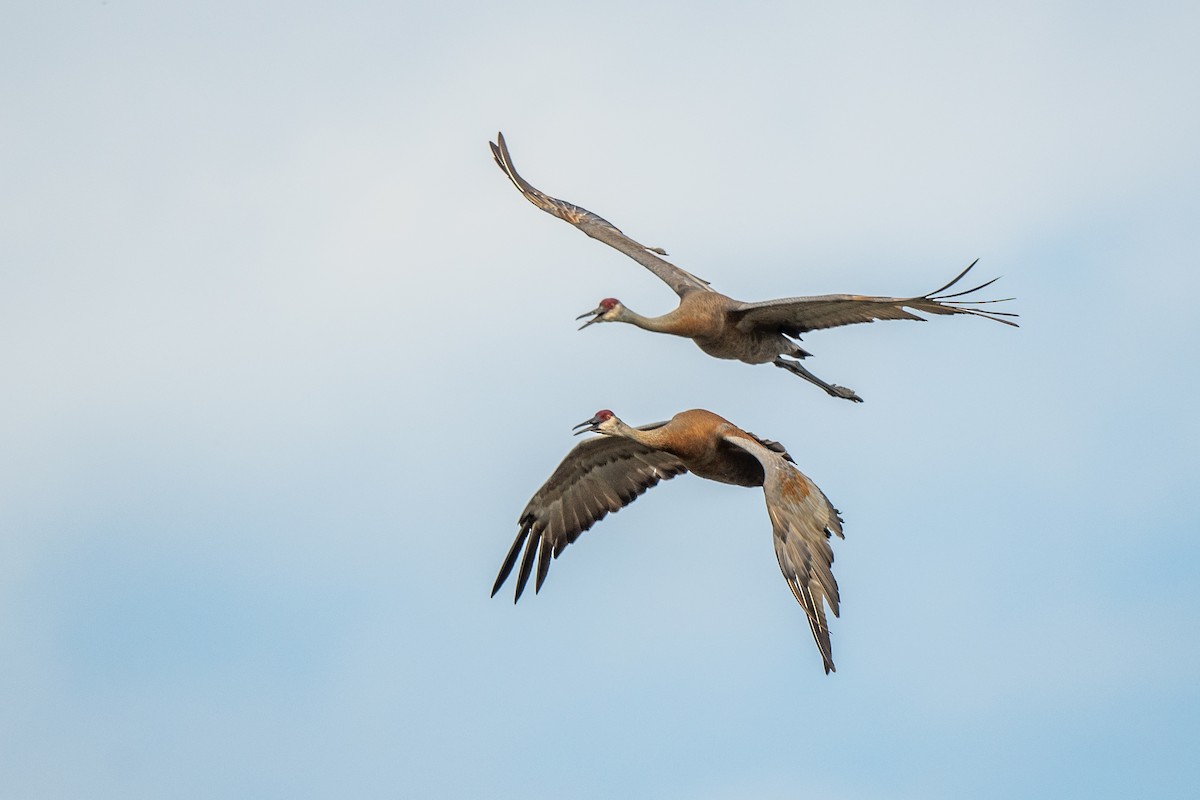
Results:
x,y
820,630
985,302
527,564
543,565
936,296
957,278
511,558
974,312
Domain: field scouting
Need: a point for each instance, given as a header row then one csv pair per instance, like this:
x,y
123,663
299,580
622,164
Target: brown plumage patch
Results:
x,y
794,488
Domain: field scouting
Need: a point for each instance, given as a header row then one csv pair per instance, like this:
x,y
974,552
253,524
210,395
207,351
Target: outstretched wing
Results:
x,y
796,315
803,520
597,227
598,476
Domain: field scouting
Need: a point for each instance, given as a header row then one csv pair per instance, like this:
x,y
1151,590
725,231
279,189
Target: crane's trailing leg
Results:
x,y
832,389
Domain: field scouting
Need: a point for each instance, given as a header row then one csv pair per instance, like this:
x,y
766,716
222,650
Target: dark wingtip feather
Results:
x,y
543,566
957,278
531,548
816,623
511,558
500,153
966,291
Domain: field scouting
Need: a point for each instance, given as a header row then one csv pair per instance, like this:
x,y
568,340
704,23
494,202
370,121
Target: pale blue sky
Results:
x,y
285,355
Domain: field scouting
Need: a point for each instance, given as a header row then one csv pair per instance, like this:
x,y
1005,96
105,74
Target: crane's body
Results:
x,y
698,439
605,474
756,333
705,318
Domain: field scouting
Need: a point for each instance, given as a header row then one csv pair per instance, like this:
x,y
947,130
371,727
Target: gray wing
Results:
x,y
796,315
599,228
803,520
598,476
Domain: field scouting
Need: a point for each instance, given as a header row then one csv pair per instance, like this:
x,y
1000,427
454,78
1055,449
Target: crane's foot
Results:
x,y
833,390
844,393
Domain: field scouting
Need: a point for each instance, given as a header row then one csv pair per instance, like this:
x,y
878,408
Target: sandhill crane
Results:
x,y
606,474
756,333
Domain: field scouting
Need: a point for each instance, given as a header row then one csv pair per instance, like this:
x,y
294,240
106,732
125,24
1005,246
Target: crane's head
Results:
x,y
605,422
609,310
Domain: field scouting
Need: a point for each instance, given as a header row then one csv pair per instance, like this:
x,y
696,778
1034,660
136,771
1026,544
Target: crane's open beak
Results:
x,y
595,315
590,426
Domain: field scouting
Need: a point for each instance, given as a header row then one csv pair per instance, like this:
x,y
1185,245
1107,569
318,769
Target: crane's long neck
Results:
x,y
667,323
650,438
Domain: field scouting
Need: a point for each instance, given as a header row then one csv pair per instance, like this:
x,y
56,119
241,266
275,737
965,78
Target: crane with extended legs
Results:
x,y
756,333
